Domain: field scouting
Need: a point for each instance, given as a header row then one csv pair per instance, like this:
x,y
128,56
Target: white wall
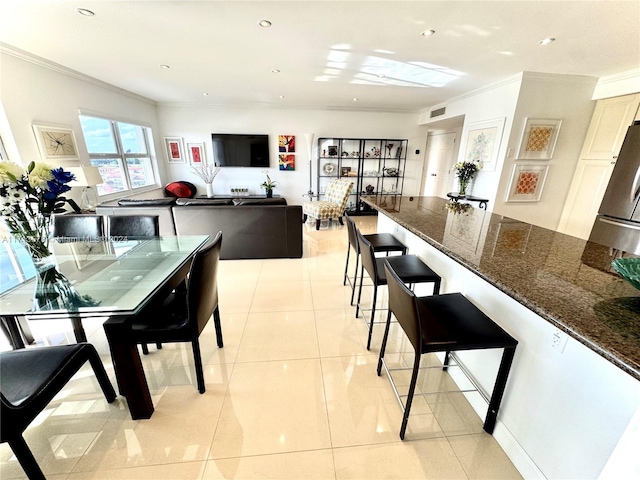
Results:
x,y
36,91
564,97
196,124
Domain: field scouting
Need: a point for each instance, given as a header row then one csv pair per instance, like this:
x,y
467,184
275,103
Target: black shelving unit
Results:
x,y
376,166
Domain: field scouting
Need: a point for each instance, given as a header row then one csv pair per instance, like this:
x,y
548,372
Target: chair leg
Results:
x,y
340,220
197,360
373,315
436,287
383,347
355,278
304,218
145,349
317,224
158,345
102,377
412,389
498,389
216,322
359,290
346,266
26,459
445,364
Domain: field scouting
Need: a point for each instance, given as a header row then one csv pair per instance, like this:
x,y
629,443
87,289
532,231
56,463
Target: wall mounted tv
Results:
x,y
236,150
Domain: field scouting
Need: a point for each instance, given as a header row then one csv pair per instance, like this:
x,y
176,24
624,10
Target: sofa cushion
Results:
x,y
203,201
259,201
180,190
145,202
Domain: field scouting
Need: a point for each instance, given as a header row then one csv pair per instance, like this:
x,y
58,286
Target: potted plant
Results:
x,y
268,186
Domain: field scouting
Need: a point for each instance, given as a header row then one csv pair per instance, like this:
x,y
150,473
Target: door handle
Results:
x,y
634,186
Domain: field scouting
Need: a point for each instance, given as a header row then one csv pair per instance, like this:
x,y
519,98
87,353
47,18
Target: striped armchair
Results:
x,y
333,205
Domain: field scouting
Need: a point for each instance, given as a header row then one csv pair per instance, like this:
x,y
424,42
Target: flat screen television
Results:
x,y
237,150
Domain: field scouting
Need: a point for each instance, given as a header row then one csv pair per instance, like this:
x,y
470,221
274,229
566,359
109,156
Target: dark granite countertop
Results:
x,y
566,280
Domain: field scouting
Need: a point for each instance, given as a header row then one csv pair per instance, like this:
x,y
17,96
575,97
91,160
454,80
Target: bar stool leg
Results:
x,y
373,315
383,347
412,389
498,389
355,278
346,266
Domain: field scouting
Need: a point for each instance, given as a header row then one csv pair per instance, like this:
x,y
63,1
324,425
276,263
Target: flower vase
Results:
x,y
53,290
463,185
209,189
269,193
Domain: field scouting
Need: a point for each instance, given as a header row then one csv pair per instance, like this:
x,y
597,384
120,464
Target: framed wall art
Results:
x,y
527,182
287,162
286,143
56,143
175,149
539,137
196,154
483,142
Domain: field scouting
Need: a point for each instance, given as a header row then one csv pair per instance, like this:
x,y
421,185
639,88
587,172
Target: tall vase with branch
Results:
x,y
29,198
207,173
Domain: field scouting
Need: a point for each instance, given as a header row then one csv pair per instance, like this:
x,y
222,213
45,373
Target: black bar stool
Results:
x,y
410,268
444,323
381,242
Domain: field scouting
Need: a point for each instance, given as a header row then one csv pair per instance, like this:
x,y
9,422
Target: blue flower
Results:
x,y
61,176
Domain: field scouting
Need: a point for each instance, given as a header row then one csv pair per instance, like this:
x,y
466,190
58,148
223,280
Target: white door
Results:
x,y
439,164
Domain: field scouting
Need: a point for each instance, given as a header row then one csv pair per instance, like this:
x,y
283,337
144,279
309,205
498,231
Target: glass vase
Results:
x,y
463,185
53,290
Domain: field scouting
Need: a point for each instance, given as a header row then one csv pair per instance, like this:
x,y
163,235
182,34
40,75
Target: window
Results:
x,y
121,151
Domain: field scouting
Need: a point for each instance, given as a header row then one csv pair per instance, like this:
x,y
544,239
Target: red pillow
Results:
x,y
180,190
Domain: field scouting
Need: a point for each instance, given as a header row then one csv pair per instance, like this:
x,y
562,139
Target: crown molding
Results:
x,y
283,107
61,69
618,77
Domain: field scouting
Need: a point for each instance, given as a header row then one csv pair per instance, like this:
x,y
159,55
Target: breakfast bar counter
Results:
x,y
566,280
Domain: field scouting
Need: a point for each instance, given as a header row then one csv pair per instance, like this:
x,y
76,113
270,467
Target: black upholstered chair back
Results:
x,y
368,258
202,284
78,227
402,303
133,226
352,230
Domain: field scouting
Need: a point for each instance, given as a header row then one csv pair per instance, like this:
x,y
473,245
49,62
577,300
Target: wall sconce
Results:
x,y
86,177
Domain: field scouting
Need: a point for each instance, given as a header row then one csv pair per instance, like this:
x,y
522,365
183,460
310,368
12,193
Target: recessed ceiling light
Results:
x,y
381,75
547,41
205,94
355,99
281,96
85,12
275,70
427,33
165,66
264,23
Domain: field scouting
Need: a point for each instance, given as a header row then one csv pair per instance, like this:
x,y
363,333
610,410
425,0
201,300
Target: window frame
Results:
x,y
121,156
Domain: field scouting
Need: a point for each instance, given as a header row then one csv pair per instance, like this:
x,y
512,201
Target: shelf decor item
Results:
x,y
29,198
539,137
207,173
56,143
465,171
196,153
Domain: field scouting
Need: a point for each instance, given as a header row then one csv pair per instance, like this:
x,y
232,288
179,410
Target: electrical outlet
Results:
x,y
559,340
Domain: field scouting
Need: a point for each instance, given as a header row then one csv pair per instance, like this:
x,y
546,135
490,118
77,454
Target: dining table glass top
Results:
x,y
114,276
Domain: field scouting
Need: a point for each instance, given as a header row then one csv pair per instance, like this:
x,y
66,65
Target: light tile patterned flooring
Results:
x,y
292,395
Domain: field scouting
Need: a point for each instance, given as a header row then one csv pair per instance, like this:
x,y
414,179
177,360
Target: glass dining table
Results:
x,y
116,279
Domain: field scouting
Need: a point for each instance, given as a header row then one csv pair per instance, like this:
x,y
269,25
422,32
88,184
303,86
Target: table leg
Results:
x,y
78,330
498,389
128,368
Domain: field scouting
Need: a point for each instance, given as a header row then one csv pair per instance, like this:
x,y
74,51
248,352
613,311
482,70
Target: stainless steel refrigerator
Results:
x,y
618,222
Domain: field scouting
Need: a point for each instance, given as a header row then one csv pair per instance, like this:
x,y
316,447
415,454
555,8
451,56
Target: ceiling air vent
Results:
x,y
438,112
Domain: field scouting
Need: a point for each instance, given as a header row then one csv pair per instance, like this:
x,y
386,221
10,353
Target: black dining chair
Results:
x,y
183,315
381,242
411,269
30,378
77,228
444,323
133,226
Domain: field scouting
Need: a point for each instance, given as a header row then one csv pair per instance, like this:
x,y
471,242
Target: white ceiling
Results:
x,y
328,52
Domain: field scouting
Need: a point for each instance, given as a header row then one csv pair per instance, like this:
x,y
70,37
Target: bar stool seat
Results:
x,y
381,242
411,269
444,323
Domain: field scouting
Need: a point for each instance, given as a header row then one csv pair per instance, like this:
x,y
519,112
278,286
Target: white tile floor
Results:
x,y
293,394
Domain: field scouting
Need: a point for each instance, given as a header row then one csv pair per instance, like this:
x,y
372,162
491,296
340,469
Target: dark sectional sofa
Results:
x,y
252,228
